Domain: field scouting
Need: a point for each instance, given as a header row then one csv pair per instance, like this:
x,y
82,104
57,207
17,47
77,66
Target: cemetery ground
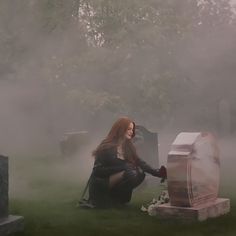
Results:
x,y
45,190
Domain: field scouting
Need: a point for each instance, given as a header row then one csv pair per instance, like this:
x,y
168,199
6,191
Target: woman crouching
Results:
x,y
117,168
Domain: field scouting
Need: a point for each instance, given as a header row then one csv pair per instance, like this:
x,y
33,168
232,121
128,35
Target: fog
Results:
x,y
57,77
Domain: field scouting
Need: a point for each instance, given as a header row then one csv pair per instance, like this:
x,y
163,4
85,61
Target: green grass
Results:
x,y
48,206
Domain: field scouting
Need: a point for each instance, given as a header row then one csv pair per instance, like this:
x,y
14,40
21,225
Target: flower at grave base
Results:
x,y
143,208
152,207
164,197
152,210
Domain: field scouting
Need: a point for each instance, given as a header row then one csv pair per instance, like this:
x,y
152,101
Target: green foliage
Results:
x,y
58,14
94,102
132,61
215,14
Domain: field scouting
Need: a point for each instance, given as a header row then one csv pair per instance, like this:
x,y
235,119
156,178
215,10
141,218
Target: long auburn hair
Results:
x,y
114,136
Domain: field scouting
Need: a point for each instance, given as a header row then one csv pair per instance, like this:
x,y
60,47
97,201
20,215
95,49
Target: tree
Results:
x,y
132,57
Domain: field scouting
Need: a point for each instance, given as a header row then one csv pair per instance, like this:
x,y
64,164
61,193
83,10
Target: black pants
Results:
x,y
102,196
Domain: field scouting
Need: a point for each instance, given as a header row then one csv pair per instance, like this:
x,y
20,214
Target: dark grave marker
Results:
x,y
146,143
73,142
8,223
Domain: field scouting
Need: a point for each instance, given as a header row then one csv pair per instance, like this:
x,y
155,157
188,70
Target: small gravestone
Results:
x,y
146,143
8,223
73,142
193,175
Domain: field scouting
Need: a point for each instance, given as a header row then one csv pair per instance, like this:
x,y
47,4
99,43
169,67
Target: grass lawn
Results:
x,y
45,193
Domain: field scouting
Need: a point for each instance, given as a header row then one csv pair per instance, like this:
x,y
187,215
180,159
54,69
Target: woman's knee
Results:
x,y
133,177
115,179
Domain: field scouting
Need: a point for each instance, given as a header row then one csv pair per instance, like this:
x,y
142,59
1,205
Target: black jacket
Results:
x,y
107,163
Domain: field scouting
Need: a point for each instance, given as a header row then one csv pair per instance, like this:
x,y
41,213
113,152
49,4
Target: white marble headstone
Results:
x,y
193,169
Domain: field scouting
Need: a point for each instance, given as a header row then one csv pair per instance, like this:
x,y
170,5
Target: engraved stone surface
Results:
x,y
193,175
193,170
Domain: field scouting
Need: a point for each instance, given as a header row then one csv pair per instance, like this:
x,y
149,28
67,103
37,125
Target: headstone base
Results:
x,y
216,208
11,224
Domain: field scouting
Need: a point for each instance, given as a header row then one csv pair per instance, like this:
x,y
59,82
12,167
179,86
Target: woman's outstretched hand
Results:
x,y
161,173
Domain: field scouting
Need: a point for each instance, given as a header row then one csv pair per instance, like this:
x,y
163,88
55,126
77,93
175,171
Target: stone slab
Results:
x,y
3,186
11,224
220,206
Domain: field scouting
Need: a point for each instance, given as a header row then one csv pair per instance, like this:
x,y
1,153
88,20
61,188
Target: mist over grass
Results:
x,y
35,176
45,191
167,65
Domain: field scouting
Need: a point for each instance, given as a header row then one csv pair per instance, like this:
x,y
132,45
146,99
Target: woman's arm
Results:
x,y
161,173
